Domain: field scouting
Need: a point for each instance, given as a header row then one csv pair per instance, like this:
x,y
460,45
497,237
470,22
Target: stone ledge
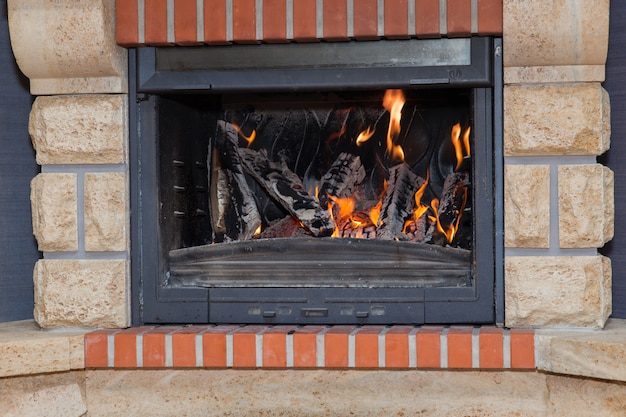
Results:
x,y
594,354
25,349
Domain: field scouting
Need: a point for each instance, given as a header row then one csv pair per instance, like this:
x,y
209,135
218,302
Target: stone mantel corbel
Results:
x,y
67,47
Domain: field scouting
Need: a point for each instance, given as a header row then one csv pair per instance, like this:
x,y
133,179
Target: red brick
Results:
x,y
185,22
428,341
396,21
366,347
156,22
275,346
427,19
184,346
305,346
125,348
365,19
244,21
335,20
97,348
491,350
127,22
274,21
460,347
459,17
397,347
154,346
304,21
244,346
336,346
490,17
215,21
522,349
214,346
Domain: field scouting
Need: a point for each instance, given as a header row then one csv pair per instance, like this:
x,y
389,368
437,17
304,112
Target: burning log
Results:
x,y
420,230
342,178
286,188
398,202
230,194
450,208
285,227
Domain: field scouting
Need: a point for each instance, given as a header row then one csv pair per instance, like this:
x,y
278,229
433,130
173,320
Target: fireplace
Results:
x,y
312,183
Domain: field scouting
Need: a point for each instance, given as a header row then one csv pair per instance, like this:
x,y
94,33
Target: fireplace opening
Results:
x,y
307,199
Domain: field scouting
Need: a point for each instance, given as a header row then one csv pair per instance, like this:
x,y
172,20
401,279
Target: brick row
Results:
x,y
257,346
192,22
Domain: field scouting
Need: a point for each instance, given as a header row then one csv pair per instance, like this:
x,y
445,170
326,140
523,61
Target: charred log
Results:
x,y
342,178
284,186
451,205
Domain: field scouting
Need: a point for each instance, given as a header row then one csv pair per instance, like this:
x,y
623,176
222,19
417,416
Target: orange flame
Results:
x,y
420,208
248,139
452,229
364,136
393,101
460,149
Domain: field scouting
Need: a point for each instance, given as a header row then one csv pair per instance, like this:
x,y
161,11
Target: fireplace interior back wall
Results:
x,y
314,278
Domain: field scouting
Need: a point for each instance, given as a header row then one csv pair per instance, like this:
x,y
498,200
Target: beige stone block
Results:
x,y
555,33
576,397
81,293
560,74
315,393
568,119
586,206
90,129
60,394
54,206
527,206
68,47
27,349
106,213
597,354
569,291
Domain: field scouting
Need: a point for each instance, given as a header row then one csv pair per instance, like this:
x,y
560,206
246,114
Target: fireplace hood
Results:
x,y
172,88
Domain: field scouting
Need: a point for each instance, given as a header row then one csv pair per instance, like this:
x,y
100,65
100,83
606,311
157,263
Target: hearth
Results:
x,y
317,183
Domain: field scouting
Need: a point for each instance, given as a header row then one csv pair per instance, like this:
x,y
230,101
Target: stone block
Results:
x,y
89,129
59,394
586,206
555,33
106,213
527,206
81,293
567,291
68,47
577,397
564,119
556,74
54,205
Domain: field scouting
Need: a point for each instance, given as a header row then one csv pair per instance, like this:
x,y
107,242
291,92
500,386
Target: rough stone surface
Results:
x,y
586,206
68,47
568,291
26,349
558,74
532,36
88,129
106,214
54,208
315,393
527,206
564,119
60,394
597,354
575,397
81,293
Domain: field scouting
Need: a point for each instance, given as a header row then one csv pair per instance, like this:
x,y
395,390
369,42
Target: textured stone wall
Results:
x,y
558,200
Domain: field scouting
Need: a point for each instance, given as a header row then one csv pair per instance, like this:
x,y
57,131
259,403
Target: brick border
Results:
x,y
187,22
332,347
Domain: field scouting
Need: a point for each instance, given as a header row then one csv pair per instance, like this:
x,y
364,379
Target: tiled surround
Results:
x,y
376,347
191,22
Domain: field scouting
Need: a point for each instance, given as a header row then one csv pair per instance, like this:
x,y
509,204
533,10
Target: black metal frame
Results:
x,y
154,301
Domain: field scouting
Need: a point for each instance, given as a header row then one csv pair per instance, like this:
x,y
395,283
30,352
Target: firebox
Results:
x,y
326,183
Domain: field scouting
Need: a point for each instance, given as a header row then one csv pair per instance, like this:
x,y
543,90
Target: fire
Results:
x,y
420,209
364,136
248,139
393,102
451,230
461,148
